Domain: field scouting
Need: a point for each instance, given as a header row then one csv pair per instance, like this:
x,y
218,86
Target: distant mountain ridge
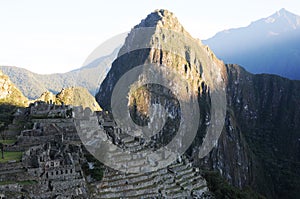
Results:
x,y
269,45
32,85
10,95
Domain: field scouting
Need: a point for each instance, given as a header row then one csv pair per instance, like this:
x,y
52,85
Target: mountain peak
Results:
x,y
161,40
283,16
284,12
263,41
161,18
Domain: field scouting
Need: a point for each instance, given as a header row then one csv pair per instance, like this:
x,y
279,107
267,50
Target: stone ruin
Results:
x,y
50,169
51,164
53,157
41,109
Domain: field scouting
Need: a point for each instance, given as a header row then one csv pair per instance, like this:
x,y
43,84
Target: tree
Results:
x,y
2,150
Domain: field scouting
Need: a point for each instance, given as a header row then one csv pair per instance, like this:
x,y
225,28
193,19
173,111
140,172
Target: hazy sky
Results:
x,y
58,35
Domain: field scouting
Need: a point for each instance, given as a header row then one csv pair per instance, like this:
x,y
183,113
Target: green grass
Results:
x,y
9,156
8,141
6,182
27,182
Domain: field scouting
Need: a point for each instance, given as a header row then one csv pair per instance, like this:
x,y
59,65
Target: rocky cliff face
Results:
x,y
266,108
259,144
9,93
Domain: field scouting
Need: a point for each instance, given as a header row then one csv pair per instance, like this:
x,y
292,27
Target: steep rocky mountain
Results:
x,y
10,99
9,93
259,145
76,96
33,84
269,45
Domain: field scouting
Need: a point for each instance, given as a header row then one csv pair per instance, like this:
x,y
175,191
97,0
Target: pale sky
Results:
x,y
58,35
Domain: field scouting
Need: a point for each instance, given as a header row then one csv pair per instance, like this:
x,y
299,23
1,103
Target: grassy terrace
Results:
x,y
8,141
11,156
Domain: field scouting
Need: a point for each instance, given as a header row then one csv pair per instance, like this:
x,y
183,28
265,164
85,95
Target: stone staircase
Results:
x,y
178,180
